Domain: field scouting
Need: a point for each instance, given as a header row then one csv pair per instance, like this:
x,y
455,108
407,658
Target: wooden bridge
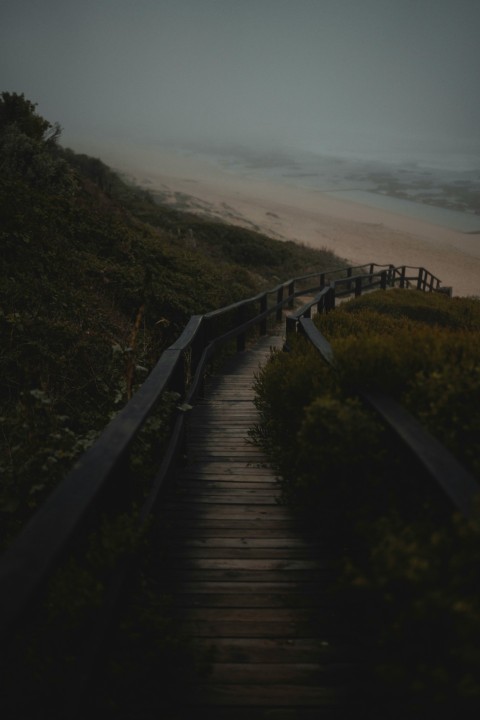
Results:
x,y
243,578
246,582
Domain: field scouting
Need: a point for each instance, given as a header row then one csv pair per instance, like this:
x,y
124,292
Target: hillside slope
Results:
x,y
96,279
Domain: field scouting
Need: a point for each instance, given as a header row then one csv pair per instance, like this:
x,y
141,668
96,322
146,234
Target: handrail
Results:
x,y
439,463
387,276
37,551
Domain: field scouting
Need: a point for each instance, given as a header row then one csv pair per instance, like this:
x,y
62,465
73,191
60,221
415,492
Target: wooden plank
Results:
x,y
224,439
289,542
225,455
282,695
268,616
230,468
256,712
225,499
240,553
277,650
254,629
245,482
245,584
260,487
223,527
254,599
217,471
244,575
223,510
230,586
247,563
223,444
275,673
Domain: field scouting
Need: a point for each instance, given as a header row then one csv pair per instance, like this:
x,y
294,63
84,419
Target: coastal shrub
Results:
x,y
85,259
415,587
445,400
284,387
409,562
52,656
340,451
389,361
431,364
418,306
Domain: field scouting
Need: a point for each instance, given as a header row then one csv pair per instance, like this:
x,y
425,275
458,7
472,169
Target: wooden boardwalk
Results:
x,y
245,583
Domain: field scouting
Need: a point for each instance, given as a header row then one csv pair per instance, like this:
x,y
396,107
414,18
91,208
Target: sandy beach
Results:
x,y
356,232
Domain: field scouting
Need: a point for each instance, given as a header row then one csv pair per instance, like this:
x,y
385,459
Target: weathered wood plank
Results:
x,y
226,499
253,629
224,527
247,563
288,542
256,712
230,586
254,599
238,512
240,553
275,673
242,576
282,695
230,468
200,484
245,584
277,650
267,616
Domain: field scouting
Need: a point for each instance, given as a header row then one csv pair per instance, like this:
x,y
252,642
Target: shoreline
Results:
x,y
282,210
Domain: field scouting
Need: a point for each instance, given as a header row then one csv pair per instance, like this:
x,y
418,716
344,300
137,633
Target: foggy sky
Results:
x,y
312,74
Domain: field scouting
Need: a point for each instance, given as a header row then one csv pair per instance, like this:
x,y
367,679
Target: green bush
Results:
x,y
410,563
418,588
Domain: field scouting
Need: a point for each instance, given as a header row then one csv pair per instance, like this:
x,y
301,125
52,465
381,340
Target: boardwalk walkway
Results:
x,y
244,581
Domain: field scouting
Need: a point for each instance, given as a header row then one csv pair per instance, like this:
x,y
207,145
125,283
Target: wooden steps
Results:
x,y
246,586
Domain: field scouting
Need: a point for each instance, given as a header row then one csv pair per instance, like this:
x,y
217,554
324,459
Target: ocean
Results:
x,y
375,182
465,222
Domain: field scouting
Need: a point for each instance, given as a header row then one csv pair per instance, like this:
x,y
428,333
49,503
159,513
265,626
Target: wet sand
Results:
x,y
356,232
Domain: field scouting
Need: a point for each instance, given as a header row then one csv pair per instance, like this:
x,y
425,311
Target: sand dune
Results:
x,y
355,232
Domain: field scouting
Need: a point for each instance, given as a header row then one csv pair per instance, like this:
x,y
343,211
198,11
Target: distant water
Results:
x,y
452,219
356,179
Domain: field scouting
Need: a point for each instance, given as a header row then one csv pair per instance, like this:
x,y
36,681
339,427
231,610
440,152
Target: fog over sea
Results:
x,y
442,189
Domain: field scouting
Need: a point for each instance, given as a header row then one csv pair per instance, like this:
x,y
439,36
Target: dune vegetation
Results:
x,y
96,280
406,560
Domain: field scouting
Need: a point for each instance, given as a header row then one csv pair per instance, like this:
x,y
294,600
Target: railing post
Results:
x,y
290,327
177,383
402,276
198,347
391,275
420,279
358,286
278,315
322,281
330,299
241,337
291,294
383,280
263,308
349,274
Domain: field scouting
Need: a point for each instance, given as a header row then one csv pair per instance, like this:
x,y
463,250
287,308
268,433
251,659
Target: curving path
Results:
x,y
246,584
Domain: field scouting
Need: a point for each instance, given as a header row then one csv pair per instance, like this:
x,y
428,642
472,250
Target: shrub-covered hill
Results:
x,y
407,563
96,279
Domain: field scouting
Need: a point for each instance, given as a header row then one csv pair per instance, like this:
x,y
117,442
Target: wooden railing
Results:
x,y
100,477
